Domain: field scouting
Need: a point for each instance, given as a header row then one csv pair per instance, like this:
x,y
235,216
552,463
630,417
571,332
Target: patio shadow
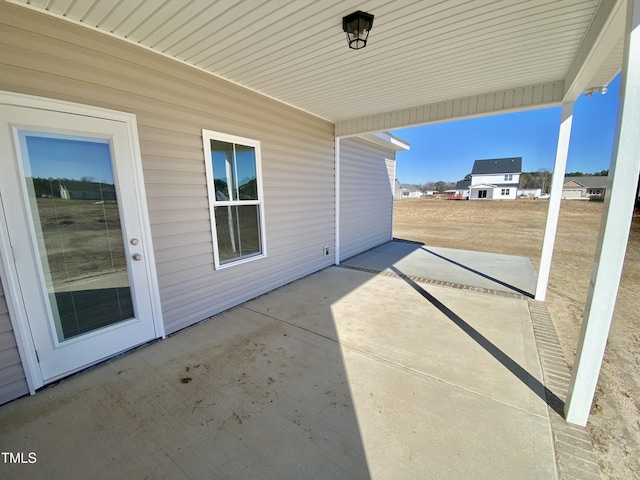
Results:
x,y
546,395
482,271
483,275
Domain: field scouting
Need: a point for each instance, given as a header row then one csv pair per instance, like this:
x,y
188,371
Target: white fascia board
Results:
x,y
386,140
483,185
503,101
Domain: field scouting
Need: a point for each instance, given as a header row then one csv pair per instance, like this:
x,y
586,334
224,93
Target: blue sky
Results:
x,y
446,151
58,156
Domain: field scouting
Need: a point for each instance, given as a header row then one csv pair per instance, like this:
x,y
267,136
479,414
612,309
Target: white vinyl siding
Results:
x,y
391,171
496,179
173,103
506,193
572,193
12,380
367,174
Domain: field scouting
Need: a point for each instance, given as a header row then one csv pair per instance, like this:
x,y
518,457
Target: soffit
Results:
x,y
610,68
419,52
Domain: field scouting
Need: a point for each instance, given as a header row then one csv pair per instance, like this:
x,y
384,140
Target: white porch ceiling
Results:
x,y
419,52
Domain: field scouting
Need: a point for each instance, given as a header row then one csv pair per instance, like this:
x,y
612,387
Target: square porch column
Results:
x,y
559,169
614,230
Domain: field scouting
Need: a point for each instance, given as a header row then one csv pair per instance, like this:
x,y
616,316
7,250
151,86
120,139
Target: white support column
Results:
x,y
557,182
337,166
614,230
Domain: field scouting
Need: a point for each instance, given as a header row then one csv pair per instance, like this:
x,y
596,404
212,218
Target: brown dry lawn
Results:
x,y
516,228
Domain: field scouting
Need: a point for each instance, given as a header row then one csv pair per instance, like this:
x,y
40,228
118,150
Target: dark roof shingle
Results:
x,y
497,165
589,181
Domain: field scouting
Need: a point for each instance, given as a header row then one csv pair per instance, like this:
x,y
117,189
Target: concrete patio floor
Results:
x,y
482,270
342,374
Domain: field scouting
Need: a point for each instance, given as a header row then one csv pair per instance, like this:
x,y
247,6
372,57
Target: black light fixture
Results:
x,y
357,26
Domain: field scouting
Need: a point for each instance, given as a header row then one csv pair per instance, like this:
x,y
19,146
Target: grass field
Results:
x,y
517,228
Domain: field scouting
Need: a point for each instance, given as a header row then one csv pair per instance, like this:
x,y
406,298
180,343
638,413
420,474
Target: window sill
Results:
x,y
219,266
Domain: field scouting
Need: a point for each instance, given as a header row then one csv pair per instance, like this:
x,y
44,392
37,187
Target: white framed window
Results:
x,y
508,177
505,191
234,183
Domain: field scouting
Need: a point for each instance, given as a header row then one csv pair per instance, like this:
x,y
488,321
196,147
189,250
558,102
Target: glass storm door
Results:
x,y
83,275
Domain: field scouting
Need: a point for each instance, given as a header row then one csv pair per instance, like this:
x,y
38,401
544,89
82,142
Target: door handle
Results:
x,y
137,257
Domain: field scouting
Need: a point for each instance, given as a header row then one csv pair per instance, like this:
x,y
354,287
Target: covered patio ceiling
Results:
x,y
425,61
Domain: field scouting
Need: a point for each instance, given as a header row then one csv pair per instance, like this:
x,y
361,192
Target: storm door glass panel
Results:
x,y
74,207
238,230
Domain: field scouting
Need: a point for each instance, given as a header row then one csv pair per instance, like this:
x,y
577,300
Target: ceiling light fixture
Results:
x,y
357,26
591,91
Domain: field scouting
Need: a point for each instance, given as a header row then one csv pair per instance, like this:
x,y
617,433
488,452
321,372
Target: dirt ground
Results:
x,y
517,228
83,238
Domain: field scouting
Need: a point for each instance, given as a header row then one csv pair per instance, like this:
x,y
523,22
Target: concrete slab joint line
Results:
x,y
575,459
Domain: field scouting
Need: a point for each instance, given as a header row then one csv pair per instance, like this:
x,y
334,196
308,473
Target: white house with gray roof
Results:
x,y
495,179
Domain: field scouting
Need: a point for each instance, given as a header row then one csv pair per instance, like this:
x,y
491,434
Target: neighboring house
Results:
x,y
584,188
496,178
413,191
429,193
461,192
98,192
399,191
405,191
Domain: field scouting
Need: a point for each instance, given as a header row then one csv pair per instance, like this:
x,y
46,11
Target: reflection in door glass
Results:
x,y
76,219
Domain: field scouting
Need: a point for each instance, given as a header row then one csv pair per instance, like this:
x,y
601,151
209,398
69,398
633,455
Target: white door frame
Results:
x,y
17,311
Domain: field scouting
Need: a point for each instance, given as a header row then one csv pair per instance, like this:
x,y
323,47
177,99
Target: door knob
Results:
x,y
134,241
137,256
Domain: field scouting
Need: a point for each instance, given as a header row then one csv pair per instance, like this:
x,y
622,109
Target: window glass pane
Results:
x,y
228,235
246,170
248,216
77,223
238,231
222,163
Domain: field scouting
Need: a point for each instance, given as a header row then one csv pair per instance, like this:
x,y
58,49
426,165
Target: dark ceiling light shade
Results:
x,y
357,26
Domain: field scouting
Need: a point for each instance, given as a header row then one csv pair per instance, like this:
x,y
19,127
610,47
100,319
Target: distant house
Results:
x,y
405,191
461,192
82,190
584,188
413,191
428,193
399,191
496,179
